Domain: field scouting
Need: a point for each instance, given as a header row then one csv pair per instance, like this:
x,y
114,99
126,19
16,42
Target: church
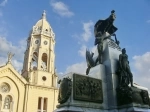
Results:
x,y
35,89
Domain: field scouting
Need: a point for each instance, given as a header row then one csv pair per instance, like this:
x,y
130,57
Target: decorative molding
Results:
x,y
64,90
4,87
42,87
10,72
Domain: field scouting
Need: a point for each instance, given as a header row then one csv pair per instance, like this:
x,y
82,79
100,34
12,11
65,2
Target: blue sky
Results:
x,y
73,22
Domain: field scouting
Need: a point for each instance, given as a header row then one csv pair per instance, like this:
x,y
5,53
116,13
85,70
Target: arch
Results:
x,y
8,102
44,61
34,62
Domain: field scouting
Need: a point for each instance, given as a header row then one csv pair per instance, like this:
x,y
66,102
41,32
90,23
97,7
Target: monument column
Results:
x,y
111,54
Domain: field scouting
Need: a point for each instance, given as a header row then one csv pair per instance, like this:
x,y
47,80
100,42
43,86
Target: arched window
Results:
x,y
7,102
34,61
44,61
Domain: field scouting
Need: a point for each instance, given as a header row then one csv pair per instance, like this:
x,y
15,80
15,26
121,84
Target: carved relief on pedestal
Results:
x,y
87,89
64,90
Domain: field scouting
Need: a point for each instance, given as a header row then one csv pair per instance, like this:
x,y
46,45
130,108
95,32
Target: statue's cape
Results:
x,y
104,25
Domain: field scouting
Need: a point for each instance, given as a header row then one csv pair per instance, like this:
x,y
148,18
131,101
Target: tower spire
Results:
x,y
44,15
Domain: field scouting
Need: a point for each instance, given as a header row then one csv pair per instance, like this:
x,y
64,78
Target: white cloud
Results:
x,y
3,2
3,61
86,35
87,28
17,65
77,68
61,9
148,21
141,65
82,50
18,50
7,46
93,49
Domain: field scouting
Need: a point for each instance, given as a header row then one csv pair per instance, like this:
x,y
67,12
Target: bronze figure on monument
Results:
x,y
126,77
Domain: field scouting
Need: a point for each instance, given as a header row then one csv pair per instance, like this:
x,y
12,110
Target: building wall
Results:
x,y
38,69
25,96
34,92
17,90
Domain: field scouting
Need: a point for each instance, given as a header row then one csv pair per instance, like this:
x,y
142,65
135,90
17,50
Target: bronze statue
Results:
x,y
100,51
100,29
126,76
103,26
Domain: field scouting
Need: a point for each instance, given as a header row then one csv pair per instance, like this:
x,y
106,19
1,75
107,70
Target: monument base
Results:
x,y
124,108
83,109
82,100
133,108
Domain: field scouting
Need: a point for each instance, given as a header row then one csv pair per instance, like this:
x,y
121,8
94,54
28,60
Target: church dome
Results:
x,y
43,27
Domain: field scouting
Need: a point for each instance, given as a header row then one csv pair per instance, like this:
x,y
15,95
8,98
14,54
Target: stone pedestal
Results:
x,y
106,74
77,104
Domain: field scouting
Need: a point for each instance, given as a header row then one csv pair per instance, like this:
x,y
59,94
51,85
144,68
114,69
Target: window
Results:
x,y
7,102
45,105
42,104
34,61
44,61
39,103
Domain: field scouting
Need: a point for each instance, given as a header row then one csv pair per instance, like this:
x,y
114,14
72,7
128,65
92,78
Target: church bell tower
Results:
x,y
39,59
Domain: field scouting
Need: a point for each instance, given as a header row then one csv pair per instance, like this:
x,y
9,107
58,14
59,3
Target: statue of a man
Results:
x,y
125,68
106,25
100,29
100,51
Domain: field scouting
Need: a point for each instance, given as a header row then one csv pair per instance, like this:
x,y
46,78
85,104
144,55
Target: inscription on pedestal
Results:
x,y
87,89
112,44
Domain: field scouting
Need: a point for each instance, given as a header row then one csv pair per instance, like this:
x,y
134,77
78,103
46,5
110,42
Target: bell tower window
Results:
x,y
34,61
44,61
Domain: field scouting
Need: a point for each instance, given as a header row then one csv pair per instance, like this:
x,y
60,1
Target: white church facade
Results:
x,y
35,89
